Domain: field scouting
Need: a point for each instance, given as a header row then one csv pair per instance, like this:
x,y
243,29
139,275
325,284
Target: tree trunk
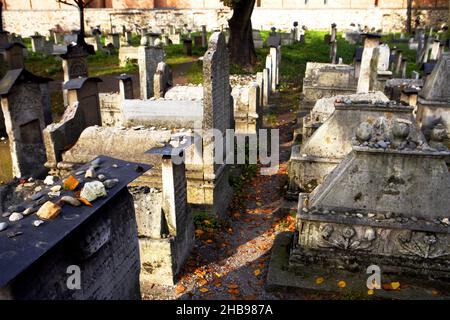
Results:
x,y
409,16
242,49
81,10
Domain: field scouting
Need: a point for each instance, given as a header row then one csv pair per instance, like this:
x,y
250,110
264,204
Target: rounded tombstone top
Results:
x,y
273,29
295,23
144,40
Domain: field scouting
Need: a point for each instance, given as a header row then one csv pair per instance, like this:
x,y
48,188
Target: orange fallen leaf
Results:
x,y
319,280
180,289
218,284
203,290
209,241
70,183
232,286
233,291
202,282
83,200
341,284
257,272
434,292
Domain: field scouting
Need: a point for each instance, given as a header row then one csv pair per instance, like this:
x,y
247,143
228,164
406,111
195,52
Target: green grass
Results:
x,y
293,63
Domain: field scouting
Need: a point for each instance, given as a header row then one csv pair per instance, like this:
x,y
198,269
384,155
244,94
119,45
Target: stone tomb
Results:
x,y
312,161
433,103
23,110
101,240
208,186
324,108
387,207
323,80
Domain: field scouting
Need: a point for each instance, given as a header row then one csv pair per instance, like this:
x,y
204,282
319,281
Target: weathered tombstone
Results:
x,y
333,44
403,68
379,72
217,114
312,161
14,57
114,39
150,53
270,71
275,54
204,37
187,47
126,87
74,63
420,39
274,40
128,37
435,50
374,210
198,41
175,38
371,41
266,87
84,93
398,62
58,37
174,220
260,82
326,80
257,40
21,102
162,80
37,42
433,105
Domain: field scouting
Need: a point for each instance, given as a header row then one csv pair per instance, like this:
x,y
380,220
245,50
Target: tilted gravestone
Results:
x,y
433,105
23,110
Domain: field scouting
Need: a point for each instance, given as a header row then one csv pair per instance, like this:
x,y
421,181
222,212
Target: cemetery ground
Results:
x,y
231,257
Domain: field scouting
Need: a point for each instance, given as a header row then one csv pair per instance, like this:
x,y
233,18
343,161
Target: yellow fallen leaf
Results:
x,y
319,280
257,272
202,282
370,292
395,285
342,284
203,290
199,232
218,284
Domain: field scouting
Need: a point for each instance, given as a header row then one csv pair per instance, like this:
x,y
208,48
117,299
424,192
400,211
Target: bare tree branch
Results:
x,y
76,3
67,3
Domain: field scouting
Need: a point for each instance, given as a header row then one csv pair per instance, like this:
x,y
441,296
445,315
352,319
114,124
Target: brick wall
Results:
x,y
26,22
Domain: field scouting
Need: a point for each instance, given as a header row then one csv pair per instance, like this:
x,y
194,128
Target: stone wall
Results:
x,y
26,22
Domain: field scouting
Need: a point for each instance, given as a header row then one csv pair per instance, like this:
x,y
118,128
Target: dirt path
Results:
x,y
232,263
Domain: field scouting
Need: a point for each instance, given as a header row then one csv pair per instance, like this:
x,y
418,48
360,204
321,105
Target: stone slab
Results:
x,y
281,278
